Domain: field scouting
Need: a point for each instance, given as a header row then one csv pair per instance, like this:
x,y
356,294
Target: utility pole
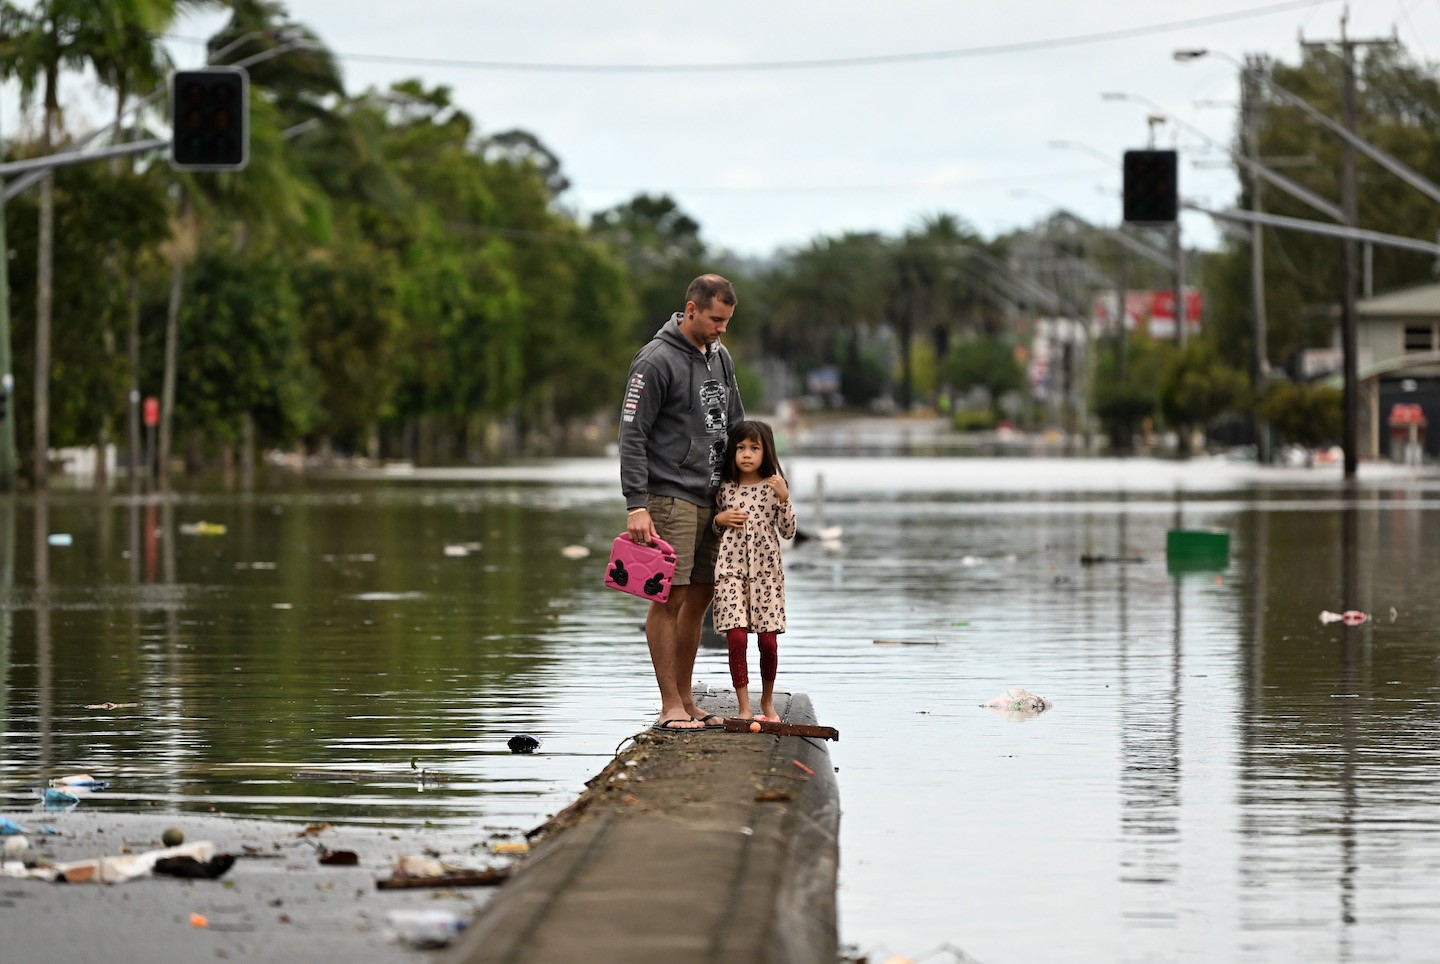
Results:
x,y
1259,356
1178,252
7,379
1349,204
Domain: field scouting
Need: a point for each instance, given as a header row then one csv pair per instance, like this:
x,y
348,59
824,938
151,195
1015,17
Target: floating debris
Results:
x,y
109,706
424,928
1086,559
574,552
416,865
202,528
339,858
1018,703
523,743
115,870
60,539
59,799
1350,617
459,878
184,865
509,847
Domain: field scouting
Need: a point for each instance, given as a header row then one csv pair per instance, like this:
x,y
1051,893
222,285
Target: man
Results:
x,y
680,401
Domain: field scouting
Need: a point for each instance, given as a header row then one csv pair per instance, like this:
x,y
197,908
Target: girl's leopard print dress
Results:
x,y
749,582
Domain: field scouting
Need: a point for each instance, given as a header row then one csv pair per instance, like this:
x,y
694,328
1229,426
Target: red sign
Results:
x,y
1152,312
152,411
1402,413
1162,307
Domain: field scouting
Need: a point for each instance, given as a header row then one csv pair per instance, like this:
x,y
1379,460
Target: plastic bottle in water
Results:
x,y
426,928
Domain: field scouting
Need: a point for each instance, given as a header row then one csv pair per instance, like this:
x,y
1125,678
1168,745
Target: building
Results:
x,y
1398,362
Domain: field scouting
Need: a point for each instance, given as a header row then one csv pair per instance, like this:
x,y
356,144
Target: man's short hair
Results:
x,y
709,287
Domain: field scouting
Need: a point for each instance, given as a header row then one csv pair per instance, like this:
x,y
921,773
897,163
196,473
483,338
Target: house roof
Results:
x,y
1421,301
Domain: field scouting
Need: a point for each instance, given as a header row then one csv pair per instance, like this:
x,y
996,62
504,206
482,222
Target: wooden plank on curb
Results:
x,y
782,729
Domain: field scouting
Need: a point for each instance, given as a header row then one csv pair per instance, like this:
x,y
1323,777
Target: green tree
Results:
x,y
1196,387
1304,414
825,300
1122,405
244,360
925,285
1398,110
39,42
662,249
988,363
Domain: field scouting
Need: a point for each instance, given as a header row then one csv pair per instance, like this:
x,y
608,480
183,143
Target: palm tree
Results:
x,y
934,283
40,42
833,289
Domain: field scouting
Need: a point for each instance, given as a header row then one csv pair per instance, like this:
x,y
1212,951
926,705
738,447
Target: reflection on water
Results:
x,y
1219,775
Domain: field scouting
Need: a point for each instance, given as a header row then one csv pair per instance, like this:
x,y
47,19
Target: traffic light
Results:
x,y
1151,187
209,119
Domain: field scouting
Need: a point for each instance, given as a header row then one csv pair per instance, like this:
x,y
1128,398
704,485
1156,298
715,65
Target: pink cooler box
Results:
x,y
644,571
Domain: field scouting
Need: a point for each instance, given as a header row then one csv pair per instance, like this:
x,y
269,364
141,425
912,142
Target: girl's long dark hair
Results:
x,y
752,430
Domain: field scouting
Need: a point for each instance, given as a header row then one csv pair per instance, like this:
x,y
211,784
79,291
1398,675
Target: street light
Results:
x,y
1076,145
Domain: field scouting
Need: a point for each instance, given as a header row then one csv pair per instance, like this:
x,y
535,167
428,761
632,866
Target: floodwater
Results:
x,y
1222,775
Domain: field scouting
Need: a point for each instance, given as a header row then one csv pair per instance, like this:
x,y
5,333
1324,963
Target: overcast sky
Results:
x,y
771,157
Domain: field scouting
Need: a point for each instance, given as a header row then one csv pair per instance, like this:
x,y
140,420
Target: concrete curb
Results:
x,y
701,846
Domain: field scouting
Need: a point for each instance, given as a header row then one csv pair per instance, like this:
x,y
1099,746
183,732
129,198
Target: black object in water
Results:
x,y
523,743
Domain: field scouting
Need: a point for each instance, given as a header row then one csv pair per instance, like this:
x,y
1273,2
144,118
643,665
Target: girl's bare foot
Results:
x,y
767,711
742,702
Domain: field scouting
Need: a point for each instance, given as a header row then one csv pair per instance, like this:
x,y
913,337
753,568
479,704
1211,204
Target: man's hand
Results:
x,y
782,490
640,526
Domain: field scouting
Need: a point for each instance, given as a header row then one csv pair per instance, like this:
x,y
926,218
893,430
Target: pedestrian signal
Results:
x,y
209,119
1151,187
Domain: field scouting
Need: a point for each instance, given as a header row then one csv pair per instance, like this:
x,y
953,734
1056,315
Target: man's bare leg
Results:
x,y
662,634
694,600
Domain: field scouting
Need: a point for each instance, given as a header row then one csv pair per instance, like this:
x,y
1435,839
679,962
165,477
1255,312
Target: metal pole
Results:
x,y
7,379
1349,203
1320,227
1179,255
1259,356
1122,333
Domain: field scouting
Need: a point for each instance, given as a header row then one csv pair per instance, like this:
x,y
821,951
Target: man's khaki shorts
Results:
x,y
686,526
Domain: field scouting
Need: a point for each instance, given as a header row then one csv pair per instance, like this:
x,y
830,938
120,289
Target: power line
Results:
x,y
799,190
827,63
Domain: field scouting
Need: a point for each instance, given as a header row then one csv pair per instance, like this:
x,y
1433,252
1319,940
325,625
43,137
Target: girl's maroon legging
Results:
x,y
769,656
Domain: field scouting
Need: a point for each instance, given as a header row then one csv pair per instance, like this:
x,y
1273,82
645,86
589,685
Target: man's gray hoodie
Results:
x,y
678,409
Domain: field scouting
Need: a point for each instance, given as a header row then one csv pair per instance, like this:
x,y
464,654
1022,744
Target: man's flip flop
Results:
x,y
665,727
719,723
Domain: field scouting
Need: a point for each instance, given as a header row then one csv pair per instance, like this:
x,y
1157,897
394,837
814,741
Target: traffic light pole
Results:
x,y
70,158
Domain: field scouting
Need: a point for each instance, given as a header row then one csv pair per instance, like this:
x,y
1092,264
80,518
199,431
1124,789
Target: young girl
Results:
x,y
753,514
